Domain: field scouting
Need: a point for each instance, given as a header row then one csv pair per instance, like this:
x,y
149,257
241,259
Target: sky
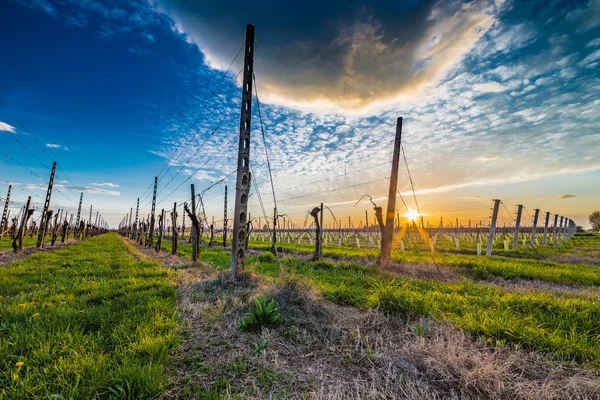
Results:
x,y
499,100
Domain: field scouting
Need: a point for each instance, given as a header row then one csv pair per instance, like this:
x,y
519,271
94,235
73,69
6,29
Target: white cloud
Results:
x,y
56,146
488,158
105,184
565,196
6,127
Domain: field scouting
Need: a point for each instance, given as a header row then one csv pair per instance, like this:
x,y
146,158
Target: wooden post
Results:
x,y
42,231
490,243
274,237
242,187
4,222
174,230
554,228
321,234
135,224
194,234
225,219
150,239
536,214
517,226
19,239
386,240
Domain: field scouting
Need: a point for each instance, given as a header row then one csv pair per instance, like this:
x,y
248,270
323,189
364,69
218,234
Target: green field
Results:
x,y
99,320
90,320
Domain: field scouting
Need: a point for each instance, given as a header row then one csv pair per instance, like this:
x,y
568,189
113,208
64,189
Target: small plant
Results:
x,y
420,329
267,257
262,314
260,347
481,272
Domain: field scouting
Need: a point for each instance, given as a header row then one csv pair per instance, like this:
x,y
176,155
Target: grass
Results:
x,y
563,326
6,242
87,321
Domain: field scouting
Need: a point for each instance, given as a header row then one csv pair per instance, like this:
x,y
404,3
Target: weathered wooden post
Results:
x,y
150,238
545,240
560,227
274,237
135,224
315,214
4,222
161,224
321,233
42,231
517,226
536,214
174,229
490,243
89,223
18,240
225,221
194,234
242,187
386,240
554,228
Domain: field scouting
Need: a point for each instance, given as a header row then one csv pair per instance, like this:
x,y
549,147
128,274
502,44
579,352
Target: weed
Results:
x,y
263,313
260,347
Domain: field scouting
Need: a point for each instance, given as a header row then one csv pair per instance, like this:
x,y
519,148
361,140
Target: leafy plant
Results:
x,y
420,329
260,347
262,314
267,257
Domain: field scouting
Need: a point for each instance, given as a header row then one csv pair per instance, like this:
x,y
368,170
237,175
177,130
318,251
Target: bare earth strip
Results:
x,y
325,351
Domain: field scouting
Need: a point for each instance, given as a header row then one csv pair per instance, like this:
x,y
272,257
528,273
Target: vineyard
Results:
x,y
205,300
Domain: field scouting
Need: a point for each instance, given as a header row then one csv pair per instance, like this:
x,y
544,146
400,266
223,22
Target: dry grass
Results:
x,y
325,351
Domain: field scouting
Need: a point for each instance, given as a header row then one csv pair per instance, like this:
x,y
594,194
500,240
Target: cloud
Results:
x,y
105,184
84,189
338,58
565,196
6,127
488,158
473,197
56,146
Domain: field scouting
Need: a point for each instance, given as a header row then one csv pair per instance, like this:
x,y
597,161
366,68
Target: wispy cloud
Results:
x,y
565,196
488,158
56,146
84,189
105,184
6,127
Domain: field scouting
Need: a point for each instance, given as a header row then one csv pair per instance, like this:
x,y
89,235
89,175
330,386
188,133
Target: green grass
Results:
x,y
6,242
87,321
477,267
564,326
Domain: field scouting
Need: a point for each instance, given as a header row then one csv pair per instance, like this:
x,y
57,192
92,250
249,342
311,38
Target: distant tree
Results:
x,y
594,219
580,229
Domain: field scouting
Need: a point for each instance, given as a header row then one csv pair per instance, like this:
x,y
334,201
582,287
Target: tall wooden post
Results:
x,y
367,221
77,233
386,240
161,229
225,219
490,243
242,187
42,231
321,233
174,230
517,226
150,239
536,214
194,232
135,224
4,222
274,237
89,224
545,240
554,228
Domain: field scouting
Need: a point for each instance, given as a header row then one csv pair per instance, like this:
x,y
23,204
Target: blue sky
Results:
x,y
499,99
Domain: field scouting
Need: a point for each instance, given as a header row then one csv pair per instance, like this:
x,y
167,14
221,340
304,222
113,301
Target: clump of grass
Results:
x,y
386,295
264,313
267,257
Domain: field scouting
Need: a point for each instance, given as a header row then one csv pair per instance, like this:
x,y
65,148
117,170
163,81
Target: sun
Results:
x,y
412,215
